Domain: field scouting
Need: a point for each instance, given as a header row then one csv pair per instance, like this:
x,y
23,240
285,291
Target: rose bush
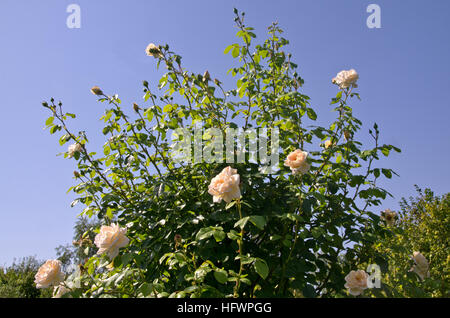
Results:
x,y
221,229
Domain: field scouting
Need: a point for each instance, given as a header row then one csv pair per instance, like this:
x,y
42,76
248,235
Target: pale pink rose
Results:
x,y
328,143
110,239
421,265
345,79
73,149
356,282
153,50
49,274
225,186
389,217
296,160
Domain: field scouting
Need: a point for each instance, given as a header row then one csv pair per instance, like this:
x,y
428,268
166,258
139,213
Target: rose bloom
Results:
x,y
225,186
296,160
110,239
421,266
74,148
389,217
59,291
153,50
345,79
328,143
49,274
356,282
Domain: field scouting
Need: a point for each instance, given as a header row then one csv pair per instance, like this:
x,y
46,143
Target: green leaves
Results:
x,y
207,232
261,268
257,220
221,276
182,244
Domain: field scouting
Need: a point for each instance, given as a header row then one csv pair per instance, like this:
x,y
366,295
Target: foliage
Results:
x,y
17,280
423,225
281,239
81,248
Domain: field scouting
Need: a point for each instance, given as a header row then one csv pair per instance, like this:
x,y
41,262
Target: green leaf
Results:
x,y
242,222
387,173
261,268
228,48
49,121
311,113
221,276
258,221
219,234
233,235
235,52
204,233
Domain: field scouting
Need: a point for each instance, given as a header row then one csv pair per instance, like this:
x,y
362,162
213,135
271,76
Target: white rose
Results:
x,y
345,79
153,50
73,149
60,290
49,274
356,282
110,239
225,186
421,267
296,160
389,217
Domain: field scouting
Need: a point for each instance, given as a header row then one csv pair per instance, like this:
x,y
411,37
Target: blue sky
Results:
x,y
404,81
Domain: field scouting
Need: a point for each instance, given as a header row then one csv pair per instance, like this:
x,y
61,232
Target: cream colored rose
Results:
x,y
328,143
73,149
389,217
110,239
153,50
356,282
225,186
59,291
49,274
421,265
296,160
345,79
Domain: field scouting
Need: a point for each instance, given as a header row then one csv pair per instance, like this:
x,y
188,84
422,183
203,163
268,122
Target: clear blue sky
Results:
x,y
404,82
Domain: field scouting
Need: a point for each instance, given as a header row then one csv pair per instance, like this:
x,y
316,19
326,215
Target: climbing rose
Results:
x,y
59,291
73,149
296,160
421,265
345,79
356,282
225,186
328,143
49,274
389,217
153,50
110,239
